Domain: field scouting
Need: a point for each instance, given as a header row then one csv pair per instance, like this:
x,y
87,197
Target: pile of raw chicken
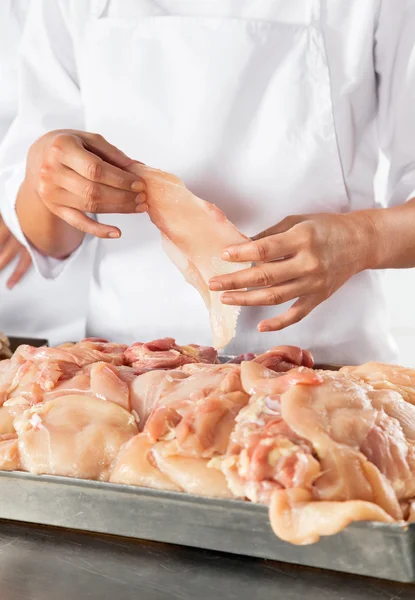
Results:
x,y
321,448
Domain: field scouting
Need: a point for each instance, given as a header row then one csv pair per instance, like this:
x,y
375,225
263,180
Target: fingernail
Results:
x,y
226,299
114,234
215,286
263,328
226,255
140,208
138,186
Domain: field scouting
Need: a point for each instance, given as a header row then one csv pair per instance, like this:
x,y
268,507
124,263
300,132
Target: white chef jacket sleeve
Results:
x,y
395,67
48,98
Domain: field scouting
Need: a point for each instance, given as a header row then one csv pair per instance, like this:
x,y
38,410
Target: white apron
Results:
x,y
235,98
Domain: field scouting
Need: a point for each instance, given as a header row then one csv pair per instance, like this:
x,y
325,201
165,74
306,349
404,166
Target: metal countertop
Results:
x,y
52,564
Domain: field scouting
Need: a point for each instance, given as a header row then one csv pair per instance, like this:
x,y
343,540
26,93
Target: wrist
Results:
x,y
366,239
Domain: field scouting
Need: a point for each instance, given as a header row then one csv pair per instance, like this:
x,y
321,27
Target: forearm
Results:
x,y
45,231
393,236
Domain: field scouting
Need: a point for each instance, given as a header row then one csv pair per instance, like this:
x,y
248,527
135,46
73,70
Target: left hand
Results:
x,y
10,249
306,257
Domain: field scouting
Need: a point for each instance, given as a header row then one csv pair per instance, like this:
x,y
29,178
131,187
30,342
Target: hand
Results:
x,y
10,249
74,172
305,257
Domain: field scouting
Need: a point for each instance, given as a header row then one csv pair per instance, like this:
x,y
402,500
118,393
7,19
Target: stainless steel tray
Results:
x,y
374,549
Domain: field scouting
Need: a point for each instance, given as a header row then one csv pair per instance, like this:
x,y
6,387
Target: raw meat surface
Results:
x,y
297,519
134,466
383,376
166,354
195,233
75,436
322,449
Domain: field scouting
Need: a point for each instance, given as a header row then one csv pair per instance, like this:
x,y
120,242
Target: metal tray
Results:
x,y
373,549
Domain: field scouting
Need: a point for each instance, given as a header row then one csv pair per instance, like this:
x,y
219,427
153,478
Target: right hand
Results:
x,y
74,172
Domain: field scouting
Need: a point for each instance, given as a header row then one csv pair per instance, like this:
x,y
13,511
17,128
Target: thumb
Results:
x,y
282,226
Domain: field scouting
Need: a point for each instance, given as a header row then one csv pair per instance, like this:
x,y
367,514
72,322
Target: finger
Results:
x,y
72,153
21,268
265,275
282,226
108,152
82,222
4,234
271,296
9,252
298,311
271,248
95,197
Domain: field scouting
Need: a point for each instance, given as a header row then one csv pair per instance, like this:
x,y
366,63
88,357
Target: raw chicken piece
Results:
x,y
257,379
6,421
279,359
100,379
144,463
34,378
166,354
192,412
9,453
134,466
383,376
148,389
192,475
347,431
285,358
198,413
75,436
265,455
195,233
83,353
8,371
297,519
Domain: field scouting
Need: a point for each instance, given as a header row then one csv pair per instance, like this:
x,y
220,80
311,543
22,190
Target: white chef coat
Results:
x,y
264,107
36,307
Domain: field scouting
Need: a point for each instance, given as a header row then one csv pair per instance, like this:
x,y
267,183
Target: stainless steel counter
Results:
x,y
52,564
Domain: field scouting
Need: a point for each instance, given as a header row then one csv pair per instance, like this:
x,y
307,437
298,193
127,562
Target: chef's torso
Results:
x,y
235,97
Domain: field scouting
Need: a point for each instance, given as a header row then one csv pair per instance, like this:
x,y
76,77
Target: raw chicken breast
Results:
x,y
147,464
75,436
195,233
383,376
148,389
192,475
6,421
257,379
166,354
9,453
264,454
297,519
134,466
198,413
356,448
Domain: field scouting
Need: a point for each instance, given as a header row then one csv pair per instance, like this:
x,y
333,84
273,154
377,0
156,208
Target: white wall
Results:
x,y
400,287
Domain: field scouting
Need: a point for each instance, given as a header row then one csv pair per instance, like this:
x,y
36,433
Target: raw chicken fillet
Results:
x,y
194,233
322,449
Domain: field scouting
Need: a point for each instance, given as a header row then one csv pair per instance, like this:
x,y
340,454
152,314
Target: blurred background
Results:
x,y
400,286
